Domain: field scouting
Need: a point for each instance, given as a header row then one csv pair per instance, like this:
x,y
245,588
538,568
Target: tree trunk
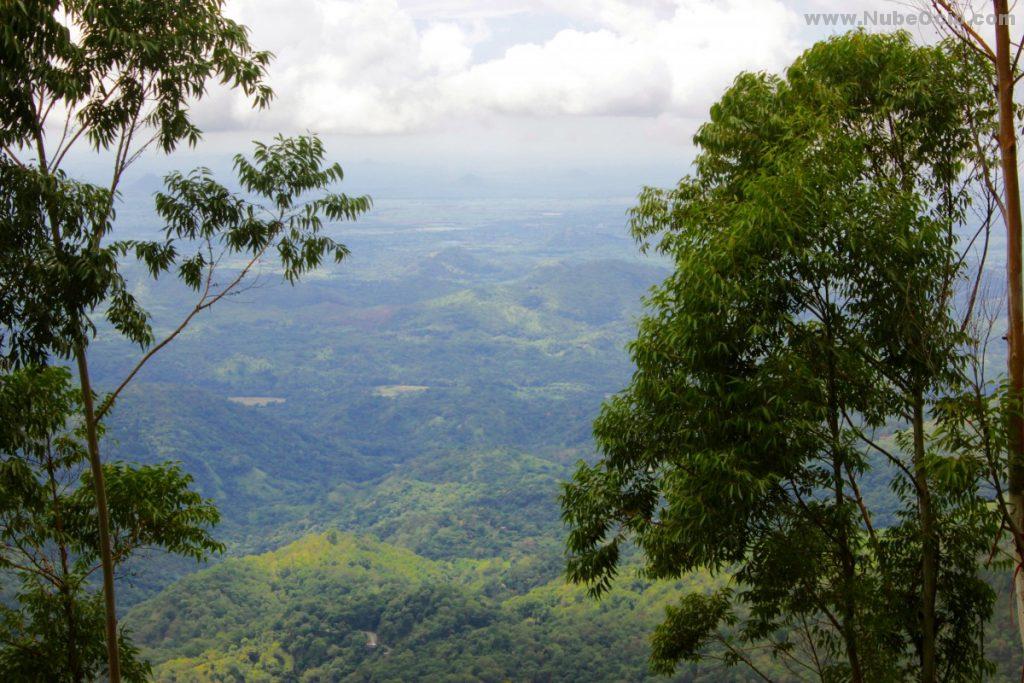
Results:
x,y
74,663
849,566
929,554
1014,291
849,616
102,515
71,621
95,462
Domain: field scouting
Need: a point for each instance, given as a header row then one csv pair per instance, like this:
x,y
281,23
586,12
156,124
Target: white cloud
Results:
x,y
377,66
577,73
444,49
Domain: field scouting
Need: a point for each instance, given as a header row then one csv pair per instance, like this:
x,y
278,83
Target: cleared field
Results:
x,y
393,390
256,400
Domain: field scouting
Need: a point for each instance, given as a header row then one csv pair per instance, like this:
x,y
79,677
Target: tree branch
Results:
x,y
946,10
205,302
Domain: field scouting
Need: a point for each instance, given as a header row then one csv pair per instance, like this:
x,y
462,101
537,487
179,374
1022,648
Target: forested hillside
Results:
x,y
436,410
405,439
755,415
437,405
342,607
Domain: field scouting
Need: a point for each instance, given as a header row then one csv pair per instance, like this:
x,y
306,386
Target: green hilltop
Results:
x,y
338,606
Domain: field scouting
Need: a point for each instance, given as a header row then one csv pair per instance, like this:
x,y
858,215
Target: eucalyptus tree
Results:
x,y
809,315
119,78
1002,55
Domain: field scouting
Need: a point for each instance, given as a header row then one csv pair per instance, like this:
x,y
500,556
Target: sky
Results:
x,y
436,97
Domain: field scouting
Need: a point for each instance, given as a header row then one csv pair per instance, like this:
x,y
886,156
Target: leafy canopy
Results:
x,y
119,64
810,311
48,529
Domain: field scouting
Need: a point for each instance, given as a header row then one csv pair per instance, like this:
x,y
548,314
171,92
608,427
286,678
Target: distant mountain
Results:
x,y
457,263
144,185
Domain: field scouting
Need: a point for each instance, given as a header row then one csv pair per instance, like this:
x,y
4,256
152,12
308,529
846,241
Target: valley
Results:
x,y
423,403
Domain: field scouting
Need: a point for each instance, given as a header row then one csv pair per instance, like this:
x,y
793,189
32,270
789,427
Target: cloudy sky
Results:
x,y
471,89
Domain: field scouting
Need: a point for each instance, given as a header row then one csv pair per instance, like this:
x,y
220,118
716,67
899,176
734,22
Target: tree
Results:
x,y
75,279
120,76
1004,186
48,530
795,352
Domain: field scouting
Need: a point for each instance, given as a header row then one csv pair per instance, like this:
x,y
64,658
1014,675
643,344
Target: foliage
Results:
x,y
113,71
57,285
311,611
196,208
114,65
117,72
49,531
811,306
63,272
44,285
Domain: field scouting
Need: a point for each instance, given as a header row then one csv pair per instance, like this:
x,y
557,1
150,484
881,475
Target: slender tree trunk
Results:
x,y
849,616
74,664
74,661
929,554
106,558
1014,290
71,621
849,564
95,462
